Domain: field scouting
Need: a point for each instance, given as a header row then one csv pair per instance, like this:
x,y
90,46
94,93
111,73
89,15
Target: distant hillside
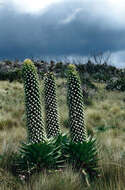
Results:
x,y
89,72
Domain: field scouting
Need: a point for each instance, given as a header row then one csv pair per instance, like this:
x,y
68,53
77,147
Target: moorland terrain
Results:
x,y
104,99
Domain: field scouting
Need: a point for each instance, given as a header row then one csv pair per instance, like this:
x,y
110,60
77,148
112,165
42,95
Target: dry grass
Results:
x,y
105,118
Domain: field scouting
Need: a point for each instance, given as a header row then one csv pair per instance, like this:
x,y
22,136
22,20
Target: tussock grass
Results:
x,y
67,180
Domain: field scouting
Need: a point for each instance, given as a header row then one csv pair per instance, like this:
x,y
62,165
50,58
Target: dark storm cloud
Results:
x,y
64,29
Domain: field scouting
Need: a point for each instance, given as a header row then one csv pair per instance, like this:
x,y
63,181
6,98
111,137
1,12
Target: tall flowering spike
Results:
x,y
35,124
52,116
76,106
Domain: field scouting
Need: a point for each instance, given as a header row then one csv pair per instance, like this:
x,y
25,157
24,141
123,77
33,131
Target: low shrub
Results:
x,y
116,84
11,75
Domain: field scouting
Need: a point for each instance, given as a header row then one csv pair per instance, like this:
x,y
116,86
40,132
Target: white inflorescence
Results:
x,y
52,118
76,109
33,105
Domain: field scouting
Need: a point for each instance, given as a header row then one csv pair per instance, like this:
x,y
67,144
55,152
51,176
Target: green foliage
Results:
x,y
11,75
84,157
63,141
104,128
35,125
39,157
59,65
99,72
86,81
101,77
76,107
50,155
118,84
52,115
60,69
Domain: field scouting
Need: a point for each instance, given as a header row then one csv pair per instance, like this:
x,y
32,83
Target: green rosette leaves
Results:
x,y
84,157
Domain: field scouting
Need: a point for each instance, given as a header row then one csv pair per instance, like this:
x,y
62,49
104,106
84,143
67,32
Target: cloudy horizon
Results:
x,y
62,28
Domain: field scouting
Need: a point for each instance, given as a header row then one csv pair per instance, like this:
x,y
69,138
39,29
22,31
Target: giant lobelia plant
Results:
x,y
51,109
42,153
76,106
39,153
35,124
82,149
52,115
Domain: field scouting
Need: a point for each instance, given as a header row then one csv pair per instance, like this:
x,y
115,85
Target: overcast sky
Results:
x,y
62,27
